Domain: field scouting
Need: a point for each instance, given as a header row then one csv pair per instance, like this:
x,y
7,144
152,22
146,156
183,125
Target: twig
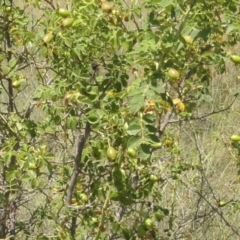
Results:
x,y
71,184
207,115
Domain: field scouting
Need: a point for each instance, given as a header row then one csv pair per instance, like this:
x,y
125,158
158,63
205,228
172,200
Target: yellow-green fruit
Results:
x,y
83,197
180,107
148,223
235,59
153,178
8,9
64,12
125,126
173,73
32,166
111,153
156,145
131,152
16,84
67,22
222,203
188,39
235,138
159,216
106,7
48,38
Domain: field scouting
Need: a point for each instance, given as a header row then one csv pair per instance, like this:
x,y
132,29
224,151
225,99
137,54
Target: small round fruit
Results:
x,y
159,216
148,223
32,166
173,73
48,37
169,142
8,9
125,126
64,12
111,153
235,138
83,197
180,107
67,22
235,59
131,153
222,203
106,7
156,145
188,39
16,84
153,178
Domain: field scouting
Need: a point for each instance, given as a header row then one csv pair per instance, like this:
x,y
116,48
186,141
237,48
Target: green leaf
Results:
x,y
114,196
136,103
57,120
159,89
144,151
134,142
134,129
72,123
12,63
165,3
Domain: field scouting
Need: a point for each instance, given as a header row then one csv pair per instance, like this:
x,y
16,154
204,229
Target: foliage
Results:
x,y
88,110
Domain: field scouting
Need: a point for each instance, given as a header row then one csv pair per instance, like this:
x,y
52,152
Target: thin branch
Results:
x,y
165,122
207,115
71,184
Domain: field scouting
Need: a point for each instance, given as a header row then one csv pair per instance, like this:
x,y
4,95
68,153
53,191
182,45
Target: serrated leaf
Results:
x,y
144,151
134,142
6,70
137,91
159,89
149,118
136,103
134,129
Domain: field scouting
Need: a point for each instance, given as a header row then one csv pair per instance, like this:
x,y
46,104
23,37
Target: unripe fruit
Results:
x,y
125,126
111,153
32,166
159,216
16,84
188,39
67,22
235,59
83,197
153,178
131,153
8,9
63,12
235,138
48,37
156,145
148,223
173,73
